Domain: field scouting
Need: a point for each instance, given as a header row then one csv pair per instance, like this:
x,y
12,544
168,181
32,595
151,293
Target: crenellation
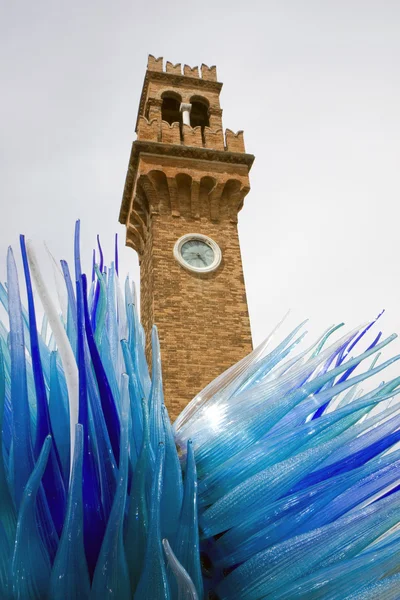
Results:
x,y
170,134
192,136
214,139
155,64
234,141
174,69
148,130
190,72
209,73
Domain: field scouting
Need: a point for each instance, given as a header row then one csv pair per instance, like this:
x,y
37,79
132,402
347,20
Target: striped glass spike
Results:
x,y
279,480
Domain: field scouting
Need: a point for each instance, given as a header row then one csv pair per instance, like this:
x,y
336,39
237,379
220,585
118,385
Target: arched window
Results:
x,y
199,113
170,107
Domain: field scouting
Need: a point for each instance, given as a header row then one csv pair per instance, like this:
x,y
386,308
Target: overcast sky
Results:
x,y
313,84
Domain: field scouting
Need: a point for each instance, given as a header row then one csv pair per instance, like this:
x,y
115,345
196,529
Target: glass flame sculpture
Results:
x,y
280,480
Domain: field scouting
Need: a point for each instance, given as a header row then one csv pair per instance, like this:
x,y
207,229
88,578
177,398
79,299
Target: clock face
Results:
x,y
197,253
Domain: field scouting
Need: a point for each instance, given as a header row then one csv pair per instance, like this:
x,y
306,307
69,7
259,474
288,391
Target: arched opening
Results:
x,y
199,113
170,107
207,184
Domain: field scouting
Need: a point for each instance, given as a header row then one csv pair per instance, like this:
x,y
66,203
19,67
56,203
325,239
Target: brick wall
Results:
x,y
202,320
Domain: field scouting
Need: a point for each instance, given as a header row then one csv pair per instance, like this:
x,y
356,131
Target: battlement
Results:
x,y
234,142
155,130
204,72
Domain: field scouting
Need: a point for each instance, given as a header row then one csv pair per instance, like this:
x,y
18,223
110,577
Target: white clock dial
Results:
x,y
198,253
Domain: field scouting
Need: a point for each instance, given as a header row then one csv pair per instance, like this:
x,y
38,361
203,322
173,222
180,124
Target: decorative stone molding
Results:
x,y
134,239
181,151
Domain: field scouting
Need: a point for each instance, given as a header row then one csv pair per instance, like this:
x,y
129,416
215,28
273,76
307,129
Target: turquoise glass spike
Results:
x,y
186,544
111,577
70,575
154,581
31,566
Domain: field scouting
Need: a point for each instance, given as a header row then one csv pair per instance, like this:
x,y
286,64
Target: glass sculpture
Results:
x,y
280,480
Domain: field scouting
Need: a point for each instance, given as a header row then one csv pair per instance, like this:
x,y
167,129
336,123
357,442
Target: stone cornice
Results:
x,y
179,80
157,148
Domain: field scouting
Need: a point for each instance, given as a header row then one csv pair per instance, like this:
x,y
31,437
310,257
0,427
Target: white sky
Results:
x,y
314,85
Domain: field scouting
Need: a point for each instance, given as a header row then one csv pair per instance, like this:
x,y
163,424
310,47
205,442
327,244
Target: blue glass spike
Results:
x,y
364,331
116,255
6,548
153,581
30,567
70,576
97,290
94,523
112,327
42,420
22,444
185,586
186,544
342,355
101,263
72,325
59,417
101,310
156,394
133,342
93,515
387,589
106,397
105,461
8,517
171,501
52,479
136,402
350,462
267,571
80,353
111,577
137,523
93,264
77,250
347,373
346,577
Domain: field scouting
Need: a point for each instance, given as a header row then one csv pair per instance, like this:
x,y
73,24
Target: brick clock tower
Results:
x,y
185,185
